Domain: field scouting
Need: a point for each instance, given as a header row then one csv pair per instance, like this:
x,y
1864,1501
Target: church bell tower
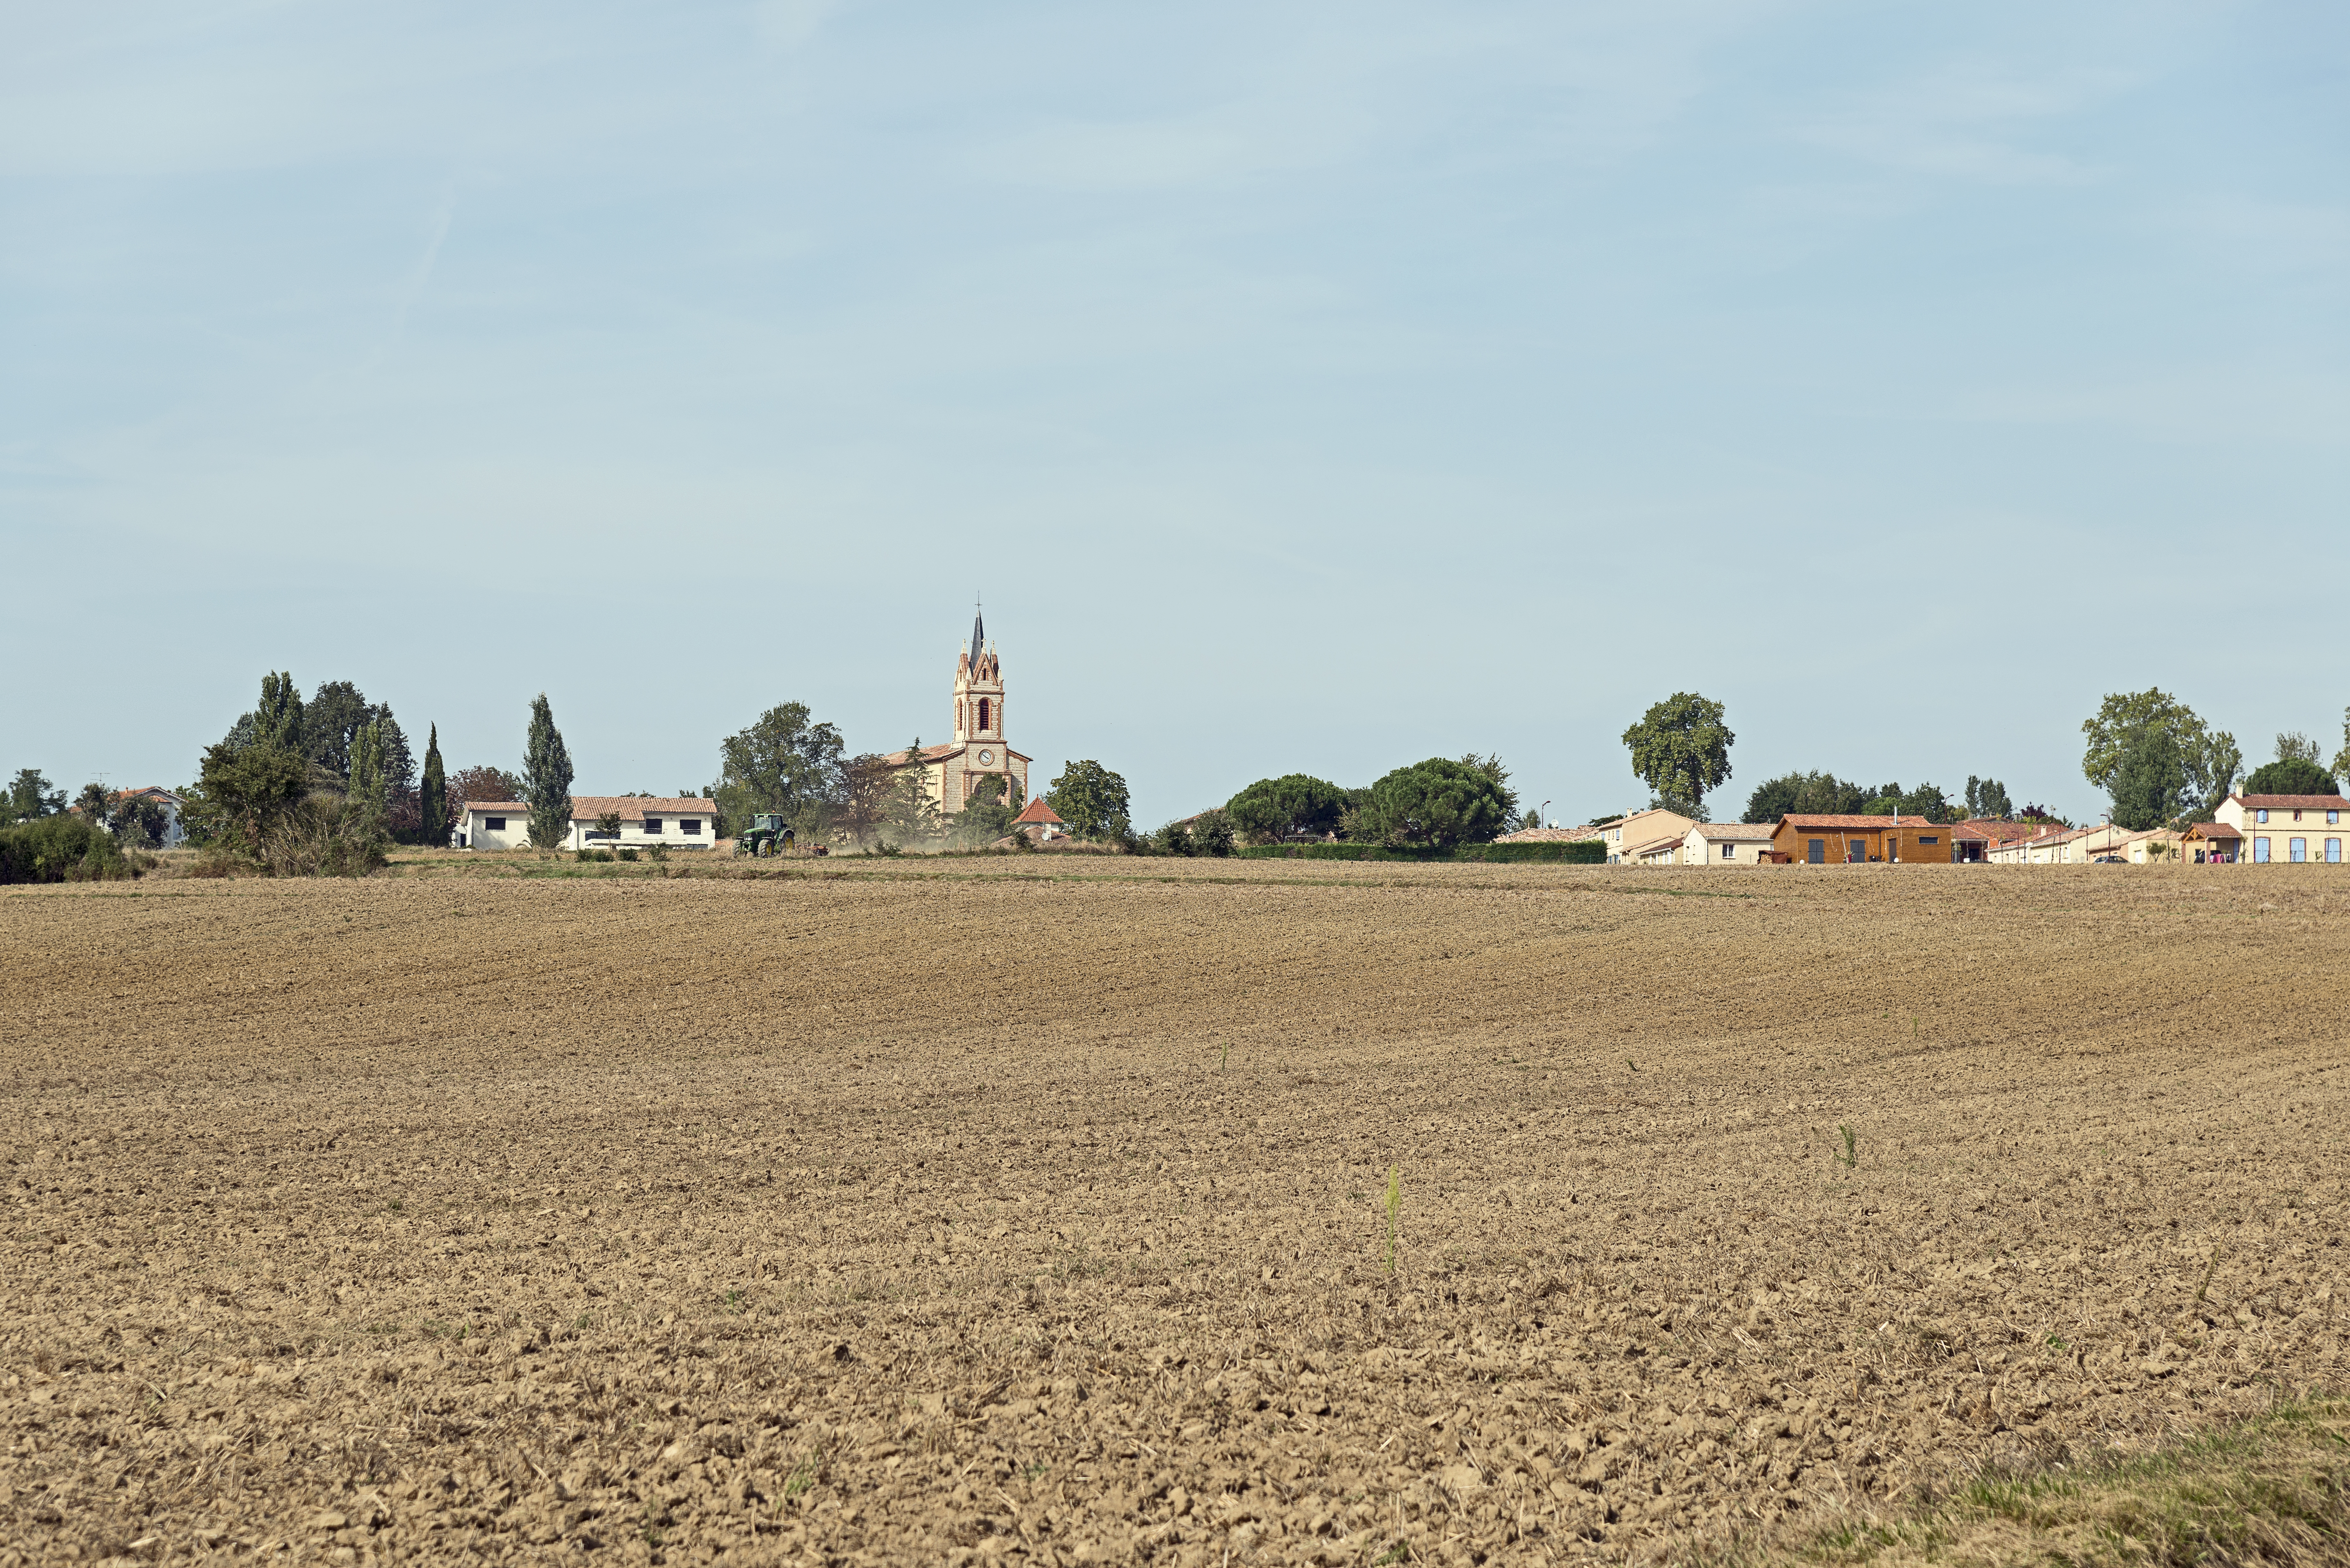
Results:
x,y
979,691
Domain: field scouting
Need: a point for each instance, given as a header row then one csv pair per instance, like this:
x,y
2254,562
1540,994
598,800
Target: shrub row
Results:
x,y
1582,852
60,849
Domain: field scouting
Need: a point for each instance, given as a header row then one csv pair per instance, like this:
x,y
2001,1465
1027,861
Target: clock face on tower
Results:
x,y
987,759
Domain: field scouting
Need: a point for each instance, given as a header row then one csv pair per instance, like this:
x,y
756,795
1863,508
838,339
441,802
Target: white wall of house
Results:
x,y
497,830
1700,848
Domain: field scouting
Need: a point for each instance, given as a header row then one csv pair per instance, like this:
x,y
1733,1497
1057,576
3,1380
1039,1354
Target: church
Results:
x,y
954,770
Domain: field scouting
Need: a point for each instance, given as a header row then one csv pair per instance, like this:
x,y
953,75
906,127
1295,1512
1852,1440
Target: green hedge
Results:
x,y
1549,851
1582,852
60,849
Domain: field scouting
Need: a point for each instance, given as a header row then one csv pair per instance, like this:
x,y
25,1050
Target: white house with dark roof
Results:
x,y
682,822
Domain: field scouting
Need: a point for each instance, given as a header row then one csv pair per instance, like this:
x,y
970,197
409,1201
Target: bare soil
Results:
x,y
942,1210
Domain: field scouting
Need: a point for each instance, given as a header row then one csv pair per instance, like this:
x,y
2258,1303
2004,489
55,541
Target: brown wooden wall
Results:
x,y
1795,842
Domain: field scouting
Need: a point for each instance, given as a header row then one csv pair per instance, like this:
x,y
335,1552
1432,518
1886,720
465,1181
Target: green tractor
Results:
x,y
766,836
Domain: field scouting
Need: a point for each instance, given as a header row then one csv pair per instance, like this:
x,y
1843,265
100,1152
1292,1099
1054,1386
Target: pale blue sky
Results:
x,y
1307,387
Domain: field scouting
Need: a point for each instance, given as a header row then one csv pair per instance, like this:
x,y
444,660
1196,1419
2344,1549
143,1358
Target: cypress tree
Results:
x,y
547,778
432,795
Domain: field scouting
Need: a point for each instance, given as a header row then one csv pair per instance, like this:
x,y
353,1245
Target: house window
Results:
x,y
2261,814
1819,851
1726,850
2333,816
2334,852
652,825
2296,850
2260,851
493,825
2296,815
689,825
1929,839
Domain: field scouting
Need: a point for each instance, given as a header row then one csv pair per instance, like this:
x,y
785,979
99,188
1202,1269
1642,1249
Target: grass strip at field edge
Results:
x,y
2273,1489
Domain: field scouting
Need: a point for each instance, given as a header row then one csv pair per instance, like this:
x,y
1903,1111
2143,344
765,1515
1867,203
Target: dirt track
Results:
x,y
899,1220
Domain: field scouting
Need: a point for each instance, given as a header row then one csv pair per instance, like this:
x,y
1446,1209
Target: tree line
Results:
x,y
1435,805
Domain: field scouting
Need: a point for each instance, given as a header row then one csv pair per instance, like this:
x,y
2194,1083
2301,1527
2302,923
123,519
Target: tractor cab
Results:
x,y
766,836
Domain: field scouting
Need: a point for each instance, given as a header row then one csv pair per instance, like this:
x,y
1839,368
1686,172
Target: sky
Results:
x,y
1303,388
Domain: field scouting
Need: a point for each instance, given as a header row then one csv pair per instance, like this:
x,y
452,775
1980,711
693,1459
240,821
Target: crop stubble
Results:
x,y
900,1217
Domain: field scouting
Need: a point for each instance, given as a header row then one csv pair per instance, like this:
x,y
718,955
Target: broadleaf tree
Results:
x,y
910,809
2209,759
30,795
546,777
2150,786
1680,750
987,816
780,763
1092,800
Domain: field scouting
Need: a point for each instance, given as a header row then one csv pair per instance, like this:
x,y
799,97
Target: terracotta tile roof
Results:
x,y
156,790
900,757
2295,802
1548,835
2212,830
629,807
1653,844
1909,819
1037,812
1995,830
1735,829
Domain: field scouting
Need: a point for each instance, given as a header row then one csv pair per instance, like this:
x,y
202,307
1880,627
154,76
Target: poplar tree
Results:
x,y
432,795
547,778
365,801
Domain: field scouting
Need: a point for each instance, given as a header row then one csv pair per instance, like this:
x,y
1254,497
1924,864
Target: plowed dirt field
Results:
x,y
1038,1212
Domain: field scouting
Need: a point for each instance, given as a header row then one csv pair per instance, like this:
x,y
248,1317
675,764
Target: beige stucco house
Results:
x,y
1727,843
2286,828
2052,848
1629,838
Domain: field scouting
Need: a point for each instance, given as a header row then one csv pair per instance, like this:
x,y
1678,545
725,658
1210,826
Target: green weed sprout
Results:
x,y
1848,1156
1395,1203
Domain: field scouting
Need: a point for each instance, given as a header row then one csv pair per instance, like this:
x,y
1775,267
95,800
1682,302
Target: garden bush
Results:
x,y
61,849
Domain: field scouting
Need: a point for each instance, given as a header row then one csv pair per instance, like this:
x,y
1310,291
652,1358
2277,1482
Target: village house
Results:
x,y
2211,844
682,822
1630,840
2050,846
2287,828
1040,824
1973,841
1845,840
175,834
1727,843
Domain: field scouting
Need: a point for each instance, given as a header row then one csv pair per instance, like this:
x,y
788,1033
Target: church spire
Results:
x,y
977,634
